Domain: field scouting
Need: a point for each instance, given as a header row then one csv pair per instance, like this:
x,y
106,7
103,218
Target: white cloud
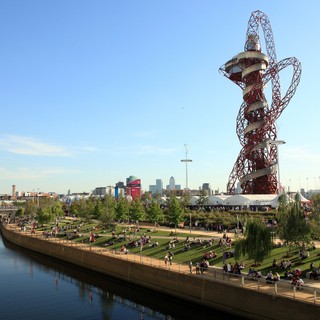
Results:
x,y
30,173
30,146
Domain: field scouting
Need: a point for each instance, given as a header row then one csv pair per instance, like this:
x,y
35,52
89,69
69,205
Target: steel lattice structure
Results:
x,y
256,165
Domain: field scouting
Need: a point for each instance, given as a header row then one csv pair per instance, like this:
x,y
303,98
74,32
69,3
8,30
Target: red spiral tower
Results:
x,y
256,165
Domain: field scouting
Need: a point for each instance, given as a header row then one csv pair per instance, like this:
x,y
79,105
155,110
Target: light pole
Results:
x,y
276,143
186,160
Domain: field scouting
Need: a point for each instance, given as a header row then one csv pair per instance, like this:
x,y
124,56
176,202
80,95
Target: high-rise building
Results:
x,y
119,189
206,187
103,191
133,187
13,190
157,188
152,189
172,185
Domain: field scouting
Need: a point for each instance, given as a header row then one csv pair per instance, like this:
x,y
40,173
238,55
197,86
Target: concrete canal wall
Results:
x,y
194,288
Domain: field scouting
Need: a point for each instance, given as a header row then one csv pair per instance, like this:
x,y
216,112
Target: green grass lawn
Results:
x,y
195,253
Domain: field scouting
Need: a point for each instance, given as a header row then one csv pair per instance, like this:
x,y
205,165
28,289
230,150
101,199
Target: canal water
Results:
x,y
33,286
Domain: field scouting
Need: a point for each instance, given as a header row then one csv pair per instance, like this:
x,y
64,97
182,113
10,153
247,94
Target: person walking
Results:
x,y
166,258
197,268
190,266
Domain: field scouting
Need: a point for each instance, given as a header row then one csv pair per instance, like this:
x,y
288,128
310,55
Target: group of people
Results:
x,y
296,279
272,277
168,258
209,255
198,243
225,241
285,265
314,271
257,274
143,240
202,266
254,274
172,243
124,249
233,268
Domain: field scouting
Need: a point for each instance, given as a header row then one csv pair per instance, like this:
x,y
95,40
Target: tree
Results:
x,y
203,198
56,209
293,226
20,212
314,217
185,198
30,208
98,208
107,214
122,209
45,216
316,203
146,197
154,212
175,211
282,203
257,243
85,208
157,197
74,208
136,210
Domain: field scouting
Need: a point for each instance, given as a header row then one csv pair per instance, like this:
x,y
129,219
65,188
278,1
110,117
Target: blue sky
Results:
x,y
92,92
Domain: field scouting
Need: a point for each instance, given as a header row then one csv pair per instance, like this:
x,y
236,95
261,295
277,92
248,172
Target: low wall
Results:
x,y
228,298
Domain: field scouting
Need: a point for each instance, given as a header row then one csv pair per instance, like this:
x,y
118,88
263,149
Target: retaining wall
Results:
x,y
197,289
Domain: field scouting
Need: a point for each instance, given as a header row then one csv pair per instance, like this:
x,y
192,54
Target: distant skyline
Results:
x,y
92,92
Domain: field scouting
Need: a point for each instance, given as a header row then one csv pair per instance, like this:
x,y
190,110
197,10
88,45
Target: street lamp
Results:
x,y
276,143
186,160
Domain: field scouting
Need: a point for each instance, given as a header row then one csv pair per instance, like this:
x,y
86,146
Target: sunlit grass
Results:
x,y
123,235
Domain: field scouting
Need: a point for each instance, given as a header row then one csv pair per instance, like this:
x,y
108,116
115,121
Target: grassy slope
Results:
x,y
195,253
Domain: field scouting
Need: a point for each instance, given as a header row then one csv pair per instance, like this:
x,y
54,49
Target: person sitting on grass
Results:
x,y
124,249
258,275
252,274
276,277
297,281
288,274
269,277
209,255
274,263
186,247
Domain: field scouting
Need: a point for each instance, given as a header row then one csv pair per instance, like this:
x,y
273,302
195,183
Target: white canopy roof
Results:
x,y
252,200
240,200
